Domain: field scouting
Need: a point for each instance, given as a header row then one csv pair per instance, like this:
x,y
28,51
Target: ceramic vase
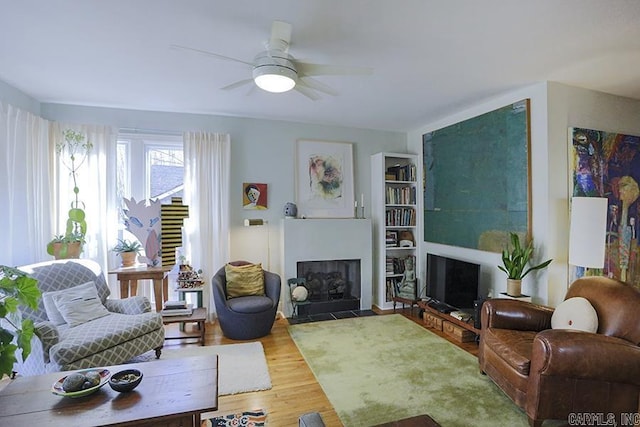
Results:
x,y
73,250
514,287
128,258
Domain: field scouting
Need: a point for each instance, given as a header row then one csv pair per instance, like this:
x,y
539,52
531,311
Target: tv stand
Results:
x,y
460,330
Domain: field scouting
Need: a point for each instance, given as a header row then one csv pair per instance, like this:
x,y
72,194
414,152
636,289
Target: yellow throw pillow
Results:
x,y
244,280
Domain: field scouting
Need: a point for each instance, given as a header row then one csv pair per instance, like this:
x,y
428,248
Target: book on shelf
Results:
x,y
187,311
401,173
170,305
460,315
391,238
401,196
400,217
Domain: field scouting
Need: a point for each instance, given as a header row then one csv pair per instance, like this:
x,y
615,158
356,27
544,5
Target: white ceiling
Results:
x,y
431,58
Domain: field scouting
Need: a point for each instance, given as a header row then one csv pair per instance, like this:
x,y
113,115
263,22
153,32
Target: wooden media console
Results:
x,y
460,330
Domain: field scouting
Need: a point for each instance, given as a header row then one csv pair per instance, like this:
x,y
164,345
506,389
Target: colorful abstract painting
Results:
x,y
324,179
607,164
254,196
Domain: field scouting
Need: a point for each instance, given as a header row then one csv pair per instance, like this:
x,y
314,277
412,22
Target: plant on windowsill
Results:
x,y
128,251
514,263
16,289
74,151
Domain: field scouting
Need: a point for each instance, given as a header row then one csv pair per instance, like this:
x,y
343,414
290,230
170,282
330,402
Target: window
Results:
x,y
149,167
166,170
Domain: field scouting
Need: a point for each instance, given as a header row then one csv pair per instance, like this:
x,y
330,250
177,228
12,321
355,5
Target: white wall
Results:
x,y
261,151
17,98
575,107
554,108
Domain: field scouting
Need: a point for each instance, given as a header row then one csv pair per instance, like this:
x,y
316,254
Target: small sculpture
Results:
x,y
290,210
143,220
406,288
188,278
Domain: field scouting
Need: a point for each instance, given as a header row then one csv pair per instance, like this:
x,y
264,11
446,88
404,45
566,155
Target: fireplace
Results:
x,y
336,254
333,285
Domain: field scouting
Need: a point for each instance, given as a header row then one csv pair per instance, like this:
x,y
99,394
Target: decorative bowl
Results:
x,y
126,380
57,388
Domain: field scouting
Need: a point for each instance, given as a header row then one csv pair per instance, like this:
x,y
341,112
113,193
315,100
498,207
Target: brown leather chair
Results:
x,y
550,373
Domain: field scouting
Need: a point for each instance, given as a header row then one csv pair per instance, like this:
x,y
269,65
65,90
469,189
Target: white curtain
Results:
x,y
96,184
207,159
25,186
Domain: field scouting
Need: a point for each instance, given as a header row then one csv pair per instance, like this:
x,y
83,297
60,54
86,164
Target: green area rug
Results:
x,y
386,368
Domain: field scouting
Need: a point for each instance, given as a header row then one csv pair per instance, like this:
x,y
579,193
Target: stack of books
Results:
x,y
460,315
177,308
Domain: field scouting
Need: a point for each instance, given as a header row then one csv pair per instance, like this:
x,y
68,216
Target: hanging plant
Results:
x,y
73,151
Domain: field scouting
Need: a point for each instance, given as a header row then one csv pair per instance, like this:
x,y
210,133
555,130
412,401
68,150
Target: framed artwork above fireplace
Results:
x,y
324,179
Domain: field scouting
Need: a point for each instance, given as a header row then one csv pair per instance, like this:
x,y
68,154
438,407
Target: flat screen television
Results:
x,y
452,282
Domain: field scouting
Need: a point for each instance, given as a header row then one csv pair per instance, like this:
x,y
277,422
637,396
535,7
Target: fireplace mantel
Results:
x,y
327,239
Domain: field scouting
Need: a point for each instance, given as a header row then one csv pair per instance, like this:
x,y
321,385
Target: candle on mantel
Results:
x,y
362,200
355,204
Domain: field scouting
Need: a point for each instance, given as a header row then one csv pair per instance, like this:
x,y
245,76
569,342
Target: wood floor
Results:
x,y
295,390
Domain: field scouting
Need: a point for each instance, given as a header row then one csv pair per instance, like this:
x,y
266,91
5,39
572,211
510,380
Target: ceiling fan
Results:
x,y
275,70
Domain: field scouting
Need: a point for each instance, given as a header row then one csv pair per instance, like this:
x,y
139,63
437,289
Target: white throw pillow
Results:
x,y
50,307
575,313
80,304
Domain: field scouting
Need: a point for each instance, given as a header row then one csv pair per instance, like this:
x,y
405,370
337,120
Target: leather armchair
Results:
x,y
550,373
249,317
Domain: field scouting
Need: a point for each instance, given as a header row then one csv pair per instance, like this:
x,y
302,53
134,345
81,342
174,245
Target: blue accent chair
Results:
x,y
250,317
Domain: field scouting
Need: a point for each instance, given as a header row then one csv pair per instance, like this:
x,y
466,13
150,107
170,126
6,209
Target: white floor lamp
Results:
x,y
587,232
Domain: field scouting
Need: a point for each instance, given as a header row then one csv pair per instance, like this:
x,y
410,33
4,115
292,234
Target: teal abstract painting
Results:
x,y
476,180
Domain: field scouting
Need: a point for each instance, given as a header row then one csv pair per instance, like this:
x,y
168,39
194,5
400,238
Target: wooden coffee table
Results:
x,y
173,392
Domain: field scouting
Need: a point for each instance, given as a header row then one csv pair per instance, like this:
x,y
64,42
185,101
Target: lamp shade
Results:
x,y
587,231
274,72
274,82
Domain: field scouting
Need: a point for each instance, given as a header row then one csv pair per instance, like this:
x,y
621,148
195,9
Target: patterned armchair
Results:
x,y
129,329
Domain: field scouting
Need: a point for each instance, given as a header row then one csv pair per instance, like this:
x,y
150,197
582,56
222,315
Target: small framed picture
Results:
x,y
254,196
391,239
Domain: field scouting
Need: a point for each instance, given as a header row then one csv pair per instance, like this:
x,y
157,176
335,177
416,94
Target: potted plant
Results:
x,y
74,151
128,250
16,289
514,264
66,246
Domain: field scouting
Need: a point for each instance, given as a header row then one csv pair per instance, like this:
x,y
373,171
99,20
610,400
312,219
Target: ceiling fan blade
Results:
x,y
309,93
315,84
308,69
215,55
237,84
280,36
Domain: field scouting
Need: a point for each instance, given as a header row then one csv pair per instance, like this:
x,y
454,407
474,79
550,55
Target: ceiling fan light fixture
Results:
x,y
274,78
274,71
